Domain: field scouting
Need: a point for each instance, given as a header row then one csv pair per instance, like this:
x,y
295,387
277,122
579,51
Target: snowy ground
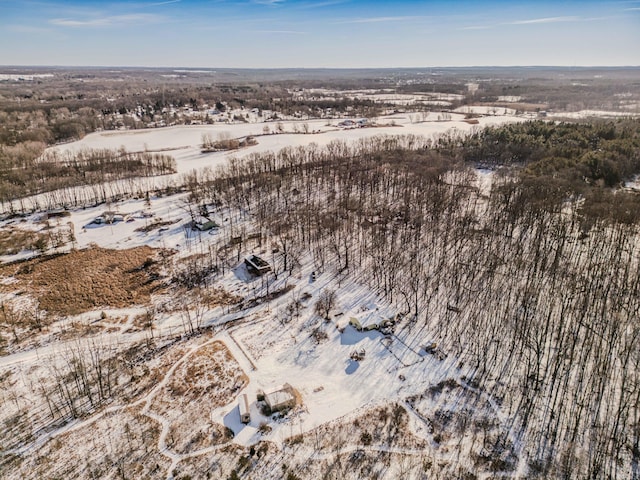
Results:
x,y
269,350
592,114
486,110
183,142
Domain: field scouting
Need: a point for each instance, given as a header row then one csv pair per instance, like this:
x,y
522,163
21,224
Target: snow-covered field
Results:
x,y
183,142
592,114
23,77
270,346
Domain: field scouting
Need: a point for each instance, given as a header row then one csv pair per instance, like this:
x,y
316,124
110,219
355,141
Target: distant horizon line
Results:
x,y
204,69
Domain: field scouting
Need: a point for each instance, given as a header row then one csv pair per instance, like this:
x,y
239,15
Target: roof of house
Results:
x,y
279,395
243,404
257,263
203,220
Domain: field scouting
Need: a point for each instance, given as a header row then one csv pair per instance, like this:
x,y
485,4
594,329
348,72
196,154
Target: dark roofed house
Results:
x,y
204,224
257,265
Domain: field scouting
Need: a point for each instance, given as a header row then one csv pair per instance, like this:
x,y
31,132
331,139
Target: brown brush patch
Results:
x,y
211,371
219,296
209,378
381,425
14,240
117,445
152,226
88,279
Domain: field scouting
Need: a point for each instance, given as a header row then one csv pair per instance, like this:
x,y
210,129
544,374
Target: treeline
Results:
x,y
50,125
604,152
562,162
25,170
531,306
70,117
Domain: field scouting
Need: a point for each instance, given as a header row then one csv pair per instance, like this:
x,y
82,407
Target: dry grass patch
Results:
x,y
184,437
14,240
207,379
147,369
386,425
120,445
88,279
154,225
215,297
215,465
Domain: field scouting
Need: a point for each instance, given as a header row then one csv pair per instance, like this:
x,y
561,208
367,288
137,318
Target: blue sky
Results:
x,y
319,33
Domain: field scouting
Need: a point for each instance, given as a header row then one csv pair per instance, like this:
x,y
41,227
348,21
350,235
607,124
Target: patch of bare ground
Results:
x,y
14,240
202,436
216,297
386,425
85,280
154,225
217,465
473,416
209,378
118,445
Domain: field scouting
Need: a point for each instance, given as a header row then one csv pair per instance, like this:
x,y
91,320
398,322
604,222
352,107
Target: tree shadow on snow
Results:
x,y
242,274
352,367
94,226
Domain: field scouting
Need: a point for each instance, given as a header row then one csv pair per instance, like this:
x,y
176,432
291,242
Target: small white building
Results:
x,y
280,398
243,406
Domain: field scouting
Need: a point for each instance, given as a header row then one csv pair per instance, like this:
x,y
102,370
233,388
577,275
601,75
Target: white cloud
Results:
x,y
269,2
546,20
538,21
283,32
162,3
328,3
384,19
477,27
109,21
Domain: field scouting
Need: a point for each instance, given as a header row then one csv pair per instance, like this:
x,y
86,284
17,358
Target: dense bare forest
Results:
x,y
535,291
22,173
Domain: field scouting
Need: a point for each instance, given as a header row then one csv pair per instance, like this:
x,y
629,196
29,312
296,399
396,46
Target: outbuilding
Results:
x,y
243,407
203,224
355,323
